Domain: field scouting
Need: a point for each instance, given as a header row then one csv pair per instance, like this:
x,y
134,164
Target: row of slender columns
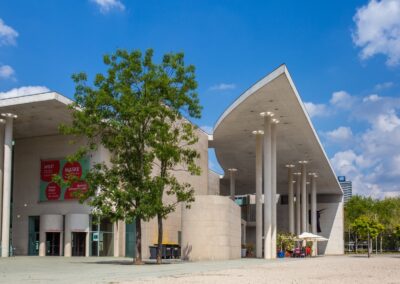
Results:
x,y
6,209
300,218
266,177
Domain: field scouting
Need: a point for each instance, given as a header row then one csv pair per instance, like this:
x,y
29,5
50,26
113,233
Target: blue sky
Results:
x,y
343,56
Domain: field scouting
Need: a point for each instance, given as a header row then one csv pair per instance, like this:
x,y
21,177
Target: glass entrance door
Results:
x,y
78,244
34,225
52,244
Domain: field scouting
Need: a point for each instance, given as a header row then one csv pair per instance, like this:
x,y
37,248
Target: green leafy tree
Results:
x,y
175,138
367,227
121,112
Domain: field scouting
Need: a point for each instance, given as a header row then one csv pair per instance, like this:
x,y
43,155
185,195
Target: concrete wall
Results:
x,y
211,229
27,156
332,226
213,183
173,224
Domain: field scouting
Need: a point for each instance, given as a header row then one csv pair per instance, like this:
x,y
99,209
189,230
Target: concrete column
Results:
x,y
232,173
298,200
116,239
2,122
290,198
267,149
314,204
42,243
273,187
8,138
259,203
87,240
303,196
67,241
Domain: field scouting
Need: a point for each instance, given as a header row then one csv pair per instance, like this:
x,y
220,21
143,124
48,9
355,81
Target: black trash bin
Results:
x,y
153,252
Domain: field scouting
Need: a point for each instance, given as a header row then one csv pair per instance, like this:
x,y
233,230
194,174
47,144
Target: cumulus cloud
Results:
x,y
383,86
372,98
315,110
23,91
340,134
342,99
377,30
8,36
6,72
223,87
373,162
106,6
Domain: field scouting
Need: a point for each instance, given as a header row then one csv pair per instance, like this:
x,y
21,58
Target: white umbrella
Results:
x,y
309,236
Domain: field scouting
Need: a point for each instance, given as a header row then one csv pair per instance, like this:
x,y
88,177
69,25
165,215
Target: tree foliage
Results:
x,y
127,111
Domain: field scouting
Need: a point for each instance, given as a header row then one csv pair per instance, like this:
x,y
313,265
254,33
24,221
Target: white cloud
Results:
x,y
340,134
23,91
383,86
8,35
106,6
315,110
378,30
372,162
6,72
223,87
342,99
372,98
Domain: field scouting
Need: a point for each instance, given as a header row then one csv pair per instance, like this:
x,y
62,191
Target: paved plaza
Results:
x,y
329,269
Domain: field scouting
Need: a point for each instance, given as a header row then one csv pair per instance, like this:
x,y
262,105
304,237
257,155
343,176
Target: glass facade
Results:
x,y
101,238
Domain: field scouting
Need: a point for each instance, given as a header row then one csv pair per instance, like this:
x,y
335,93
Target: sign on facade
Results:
x,y
51,191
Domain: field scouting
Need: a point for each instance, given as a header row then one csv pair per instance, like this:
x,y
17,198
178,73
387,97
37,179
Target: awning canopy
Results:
x,y
38,114
297,139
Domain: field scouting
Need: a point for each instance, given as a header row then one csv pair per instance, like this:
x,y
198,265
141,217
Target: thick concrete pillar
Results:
x,y
314,204
267,149
290,198
258,134
67,242
232,173
298,201
8,138
303,197
273,187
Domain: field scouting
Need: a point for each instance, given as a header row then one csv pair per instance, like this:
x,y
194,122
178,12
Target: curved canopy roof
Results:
x,y
297,139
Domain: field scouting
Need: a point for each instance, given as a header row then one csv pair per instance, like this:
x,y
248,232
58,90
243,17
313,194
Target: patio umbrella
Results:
x,y
312,237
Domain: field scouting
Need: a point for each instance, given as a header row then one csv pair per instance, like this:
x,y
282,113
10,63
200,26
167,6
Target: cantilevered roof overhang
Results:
x,y
297,139
38,114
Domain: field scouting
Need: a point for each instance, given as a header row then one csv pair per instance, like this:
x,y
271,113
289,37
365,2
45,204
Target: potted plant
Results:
x,y
250,250
244,250
285,243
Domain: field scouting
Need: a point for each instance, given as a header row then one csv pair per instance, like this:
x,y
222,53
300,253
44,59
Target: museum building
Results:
x,y
277,178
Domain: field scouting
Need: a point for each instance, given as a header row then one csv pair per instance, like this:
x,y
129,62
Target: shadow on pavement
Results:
x,y
126,262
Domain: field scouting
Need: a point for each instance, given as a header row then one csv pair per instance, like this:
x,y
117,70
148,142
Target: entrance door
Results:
x,y
53,244
34,225
78,244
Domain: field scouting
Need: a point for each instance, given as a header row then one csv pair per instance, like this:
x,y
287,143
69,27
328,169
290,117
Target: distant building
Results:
x,y
347,188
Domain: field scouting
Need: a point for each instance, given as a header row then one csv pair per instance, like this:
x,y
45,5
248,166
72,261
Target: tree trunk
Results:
x,y
356,243
138,258
160,238
369,243
381,243
376,245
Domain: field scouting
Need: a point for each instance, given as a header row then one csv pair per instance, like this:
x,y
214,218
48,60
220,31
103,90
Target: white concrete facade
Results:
x,y
253,164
